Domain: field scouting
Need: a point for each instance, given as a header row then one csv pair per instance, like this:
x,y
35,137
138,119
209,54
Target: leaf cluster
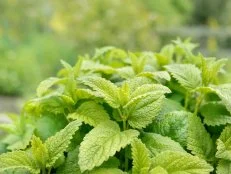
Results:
x,y
126,112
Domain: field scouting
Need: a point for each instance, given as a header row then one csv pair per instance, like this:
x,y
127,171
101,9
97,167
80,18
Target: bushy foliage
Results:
x,y
126,112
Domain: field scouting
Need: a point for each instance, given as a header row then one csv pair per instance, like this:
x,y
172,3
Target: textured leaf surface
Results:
x,y
224,92
45,85
39,151
224,167
91,113
92,66
210,68
215,114
18,160
58,143
157,143
141,159
188,75
199,140
107,171
158,75
101,143
224,144
173,125
105,89
181,163
158,170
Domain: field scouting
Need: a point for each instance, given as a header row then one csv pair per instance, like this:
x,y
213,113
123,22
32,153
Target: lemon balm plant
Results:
x,y
124,112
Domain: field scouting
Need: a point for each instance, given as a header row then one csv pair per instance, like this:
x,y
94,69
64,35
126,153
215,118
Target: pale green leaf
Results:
x,y
158,170
45,85
210,67
125,72
107,171
144,110
174,125
188,75
224,92
103,88
158,75
92,66
141,159
39,151
215,114
181,163
157,143
138,81
224,144
58,143
224,167
90,113
18,160
102,142
199,140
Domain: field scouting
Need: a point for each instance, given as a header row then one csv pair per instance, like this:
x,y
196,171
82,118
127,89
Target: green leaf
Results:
x,y
48,124
102,142
58,143
215,114
224,92
39,151
112,162
125,72
18,160
107,171
199,140
20,140
224,167
224,144
157,143
71,163
174,125
210,68
103,88
158,170
158,75
145,104
149,88
92,66
90,113
138,81
143,110
137,63
45,85
180,162
54,102
141,159
188,75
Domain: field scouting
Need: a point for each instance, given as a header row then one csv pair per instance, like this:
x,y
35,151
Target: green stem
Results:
x,y
43,171
186,100
126,149
49,171
198,103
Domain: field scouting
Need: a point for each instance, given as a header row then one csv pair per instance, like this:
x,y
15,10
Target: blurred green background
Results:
x,y
35,35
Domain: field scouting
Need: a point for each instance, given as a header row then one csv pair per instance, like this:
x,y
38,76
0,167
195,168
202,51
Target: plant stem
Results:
x,y
49,171
126,149
43,171
186,100
198,103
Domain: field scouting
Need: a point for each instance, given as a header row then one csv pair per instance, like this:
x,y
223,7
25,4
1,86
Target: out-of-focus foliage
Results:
x,y
34,34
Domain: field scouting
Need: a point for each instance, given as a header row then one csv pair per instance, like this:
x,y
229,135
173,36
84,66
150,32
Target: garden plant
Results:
x,y
119,112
